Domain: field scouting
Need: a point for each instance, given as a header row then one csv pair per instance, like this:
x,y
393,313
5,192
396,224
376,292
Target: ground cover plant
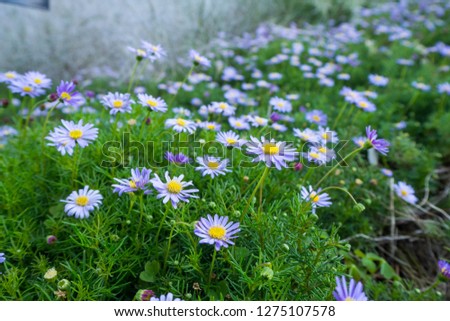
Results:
x,y
297,163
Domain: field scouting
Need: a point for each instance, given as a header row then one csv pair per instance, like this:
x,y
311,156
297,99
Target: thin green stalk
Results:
x,y
337,165
341,112
340,189
29,114
44,127
141,210
130,83
166,255
261,181
161,223
307,175
212,268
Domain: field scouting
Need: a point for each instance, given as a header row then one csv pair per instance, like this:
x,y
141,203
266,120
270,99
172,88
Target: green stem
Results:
x,y
141,209
166,256
130,83
261,181
341,112
29,115
212,267
44,127
337,165
161,223
340,189
307,175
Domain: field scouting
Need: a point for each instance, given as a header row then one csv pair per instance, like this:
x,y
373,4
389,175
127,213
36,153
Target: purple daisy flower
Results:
x,y
444,267
405,192
177,158
316,198
168,297
198,59
174,189
25,87
378,80
2,258
217,231
117,102
353,293
317,117
137,181
380,145
270,152
67,94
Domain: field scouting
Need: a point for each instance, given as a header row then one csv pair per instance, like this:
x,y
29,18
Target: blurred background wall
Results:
x,y
88,34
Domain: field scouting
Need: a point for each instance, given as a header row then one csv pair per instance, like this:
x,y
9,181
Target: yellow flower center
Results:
x,y
82,200
238,124
270,149
231,141
314,197
152,103
403,192
211,126
323,150
217,232
65,95
280,104
27,89
140,52
314,155
222,106
363,104
181,122
174,187
316,118
9,75
75,133
325,136
132,184
213,165
349,299
117,104
37,81
259,120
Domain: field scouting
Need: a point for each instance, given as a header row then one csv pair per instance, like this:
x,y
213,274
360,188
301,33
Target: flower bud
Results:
x,y
267,273
51,239
144,295
359,207
64,284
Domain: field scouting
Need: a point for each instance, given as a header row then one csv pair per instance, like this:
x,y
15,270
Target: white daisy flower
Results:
x,y
315,156
211,126
239,123
67,136
155,104
308,135
271,152
259,121
279,127
174,189
230,139
117,102
212,166
80,203
327,135
280,104
181,125
223,108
